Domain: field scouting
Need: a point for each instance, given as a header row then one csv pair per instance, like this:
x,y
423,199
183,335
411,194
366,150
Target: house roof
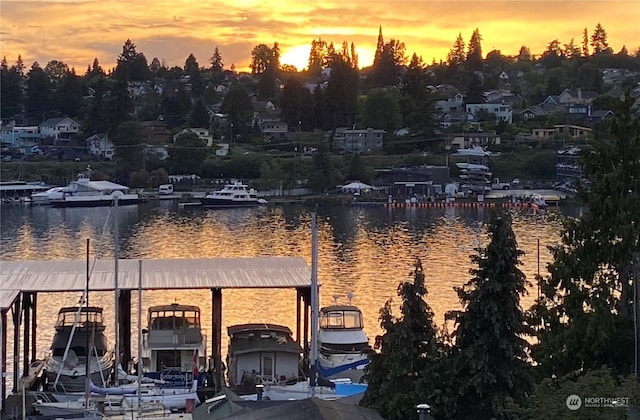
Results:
x,y
52,122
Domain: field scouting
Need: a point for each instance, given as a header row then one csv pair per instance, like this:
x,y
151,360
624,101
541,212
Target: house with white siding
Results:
x,y
59,129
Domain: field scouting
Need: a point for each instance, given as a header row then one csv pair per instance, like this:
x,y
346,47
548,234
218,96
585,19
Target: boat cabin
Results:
x,y
173,338
341,318
89,326
261,353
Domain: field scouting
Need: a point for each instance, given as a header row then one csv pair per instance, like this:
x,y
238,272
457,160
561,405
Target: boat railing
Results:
x,y
179,337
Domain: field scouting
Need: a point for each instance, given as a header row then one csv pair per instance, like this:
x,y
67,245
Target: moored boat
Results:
x,y
84,192
173,346
69,359
235,194
261,353
342,343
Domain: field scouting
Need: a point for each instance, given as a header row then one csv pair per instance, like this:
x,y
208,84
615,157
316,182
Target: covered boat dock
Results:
x,y
20,282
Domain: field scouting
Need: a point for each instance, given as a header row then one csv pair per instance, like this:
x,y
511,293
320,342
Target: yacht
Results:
x,y
173,346
234,194
342,342
46,197
87,193
66,366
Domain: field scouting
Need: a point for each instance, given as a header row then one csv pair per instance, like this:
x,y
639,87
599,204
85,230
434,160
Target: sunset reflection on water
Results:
x,y
366,251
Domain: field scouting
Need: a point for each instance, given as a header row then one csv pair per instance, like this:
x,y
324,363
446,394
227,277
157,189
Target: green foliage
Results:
x,y
10,91
238,106
187,153
39,95
128,139
490,356
409,343
549,397
382,110
588,297
199,117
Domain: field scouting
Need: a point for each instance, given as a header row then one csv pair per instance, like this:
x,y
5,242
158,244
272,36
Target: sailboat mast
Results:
x,y
139,333
87,366
314,301
117,292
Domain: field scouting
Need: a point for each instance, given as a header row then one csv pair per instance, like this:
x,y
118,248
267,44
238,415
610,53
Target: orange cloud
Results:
x,y
76,32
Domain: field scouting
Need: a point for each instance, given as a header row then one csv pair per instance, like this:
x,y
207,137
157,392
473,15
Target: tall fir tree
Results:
x,y
599,40
585,43
489,345
407,346
456,54
474,52
588,296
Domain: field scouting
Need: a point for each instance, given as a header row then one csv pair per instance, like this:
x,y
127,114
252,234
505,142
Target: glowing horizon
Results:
x,y
77,31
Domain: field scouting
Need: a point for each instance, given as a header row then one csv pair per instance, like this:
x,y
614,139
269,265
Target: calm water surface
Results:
x,y
366,251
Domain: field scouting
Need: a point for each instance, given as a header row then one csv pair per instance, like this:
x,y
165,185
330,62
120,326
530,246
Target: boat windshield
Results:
x,y
174,319
341,319
68,318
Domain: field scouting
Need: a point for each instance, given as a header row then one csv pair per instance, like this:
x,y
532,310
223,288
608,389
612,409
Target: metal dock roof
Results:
x,y
224,273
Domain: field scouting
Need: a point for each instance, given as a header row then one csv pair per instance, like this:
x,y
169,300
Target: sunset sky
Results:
x,y
76,31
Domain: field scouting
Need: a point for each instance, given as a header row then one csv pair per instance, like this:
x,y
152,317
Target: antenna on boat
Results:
x,y
314,302
335,299
350,296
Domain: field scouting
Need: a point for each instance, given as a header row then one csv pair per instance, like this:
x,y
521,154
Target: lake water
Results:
x,y
364,251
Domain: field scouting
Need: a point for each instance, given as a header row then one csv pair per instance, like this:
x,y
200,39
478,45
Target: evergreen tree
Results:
x,y
296,104
599,40
524,54
322,176
11,94
39,95
379,47
456,54
341,93
217,63
382,110
585,43
199,117
187,153
317,55
588,296
489,344
192,69
474,52
238,106
475,90
132,65
128,138
68,97
407,346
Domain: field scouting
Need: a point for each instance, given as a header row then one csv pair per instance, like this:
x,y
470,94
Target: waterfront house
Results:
x,y
472,139
502,111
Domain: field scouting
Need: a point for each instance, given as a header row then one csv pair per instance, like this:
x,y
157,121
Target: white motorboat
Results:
x,y
173,346
342,342
46,197
234,194
87,193
66,366
99,406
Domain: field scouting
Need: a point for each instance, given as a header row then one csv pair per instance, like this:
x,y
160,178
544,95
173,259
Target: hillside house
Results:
x,y
100,145
61,130
502,112
470,140
356,141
